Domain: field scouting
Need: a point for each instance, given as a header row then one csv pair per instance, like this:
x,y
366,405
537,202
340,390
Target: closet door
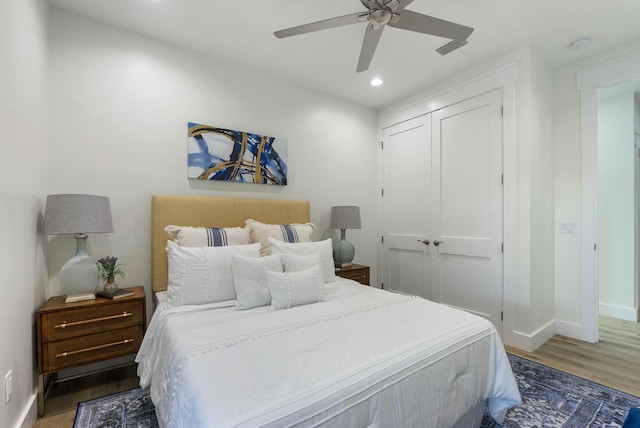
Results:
x,y
466,206
406,166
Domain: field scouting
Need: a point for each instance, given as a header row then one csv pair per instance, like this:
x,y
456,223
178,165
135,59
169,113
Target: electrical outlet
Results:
x,y
8,386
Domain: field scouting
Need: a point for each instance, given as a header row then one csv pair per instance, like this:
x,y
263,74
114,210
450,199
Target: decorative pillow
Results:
x,y
199,275
295,263
187,236
323,248
290,289
261,232
250,279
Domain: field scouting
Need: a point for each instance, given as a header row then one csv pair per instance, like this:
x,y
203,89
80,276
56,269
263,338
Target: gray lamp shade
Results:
x,y
77,214
345,217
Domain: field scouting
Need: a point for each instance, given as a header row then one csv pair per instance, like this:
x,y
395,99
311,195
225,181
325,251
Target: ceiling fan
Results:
x,y
393,13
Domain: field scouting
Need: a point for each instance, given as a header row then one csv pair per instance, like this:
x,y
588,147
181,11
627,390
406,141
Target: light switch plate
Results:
x,y
567,227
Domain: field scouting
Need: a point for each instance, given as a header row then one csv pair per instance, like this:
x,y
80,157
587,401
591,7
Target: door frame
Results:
x,y
506,79
588,83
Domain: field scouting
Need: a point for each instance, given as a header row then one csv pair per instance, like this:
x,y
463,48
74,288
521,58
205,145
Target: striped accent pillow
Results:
x,y
293,233
186,236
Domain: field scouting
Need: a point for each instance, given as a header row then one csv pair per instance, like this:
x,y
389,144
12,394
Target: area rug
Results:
x,y
551,398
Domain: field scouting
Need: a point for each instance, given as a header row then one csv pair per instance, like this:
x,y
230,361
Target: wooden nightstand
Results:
x,y
76,334
356,272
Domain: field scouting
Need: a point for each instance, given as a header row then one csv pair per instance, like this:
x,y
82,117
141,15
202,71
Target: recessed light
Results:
x,y
580,43
376,82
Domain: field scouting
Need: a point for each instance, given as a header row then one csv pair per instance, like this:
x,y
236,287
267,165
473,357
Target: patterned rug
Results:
x,y
551,399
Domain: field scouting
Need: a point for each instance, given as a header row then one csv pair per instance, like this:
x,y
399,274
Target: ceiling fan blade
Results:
x,y
353,18
404,3
426,24
371,39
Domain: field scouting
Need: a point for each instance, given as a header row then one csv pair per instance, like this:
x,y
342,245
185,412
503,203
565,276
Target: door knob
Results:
x,y
436,242
425,241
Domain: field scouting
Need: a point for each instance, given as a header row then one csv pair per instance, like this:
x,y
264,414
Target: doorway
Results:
x,y
618,123
589,82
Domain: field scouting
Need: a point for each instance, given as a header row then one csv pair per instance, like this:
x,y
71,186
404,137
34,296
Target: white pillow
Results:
x,y
294,232
250,279
199,275
323,248
187,236
295,263
290,289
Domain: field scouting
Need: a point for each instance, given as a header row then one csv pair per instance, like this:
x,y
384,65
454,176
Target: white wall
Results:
x,y
616,206
120,104
23,182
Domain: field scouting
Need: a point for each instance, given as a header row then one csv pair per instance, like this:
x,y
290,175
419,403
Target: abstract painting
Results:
x,y
228,155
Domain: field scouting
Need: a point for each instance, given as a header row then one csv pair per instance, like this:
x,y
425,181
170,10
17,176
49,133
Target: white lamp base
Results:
x,y
79,275
79,298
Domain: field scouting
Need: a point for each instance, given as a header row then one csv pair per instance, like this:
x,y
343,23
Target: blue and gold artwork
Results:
x,y
227,155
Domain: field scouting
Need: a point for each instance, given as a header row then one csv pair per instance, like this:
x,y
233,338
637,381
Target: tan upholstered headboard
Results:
x,y
212,212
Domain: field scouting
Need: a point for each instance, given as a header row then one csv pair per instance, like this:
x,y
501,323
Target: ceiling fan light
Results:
x,y
378,18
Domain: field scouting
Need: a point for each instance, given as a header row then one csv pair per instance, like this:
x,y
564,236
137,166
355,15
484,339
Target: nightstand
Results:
x,y
356,272
75,334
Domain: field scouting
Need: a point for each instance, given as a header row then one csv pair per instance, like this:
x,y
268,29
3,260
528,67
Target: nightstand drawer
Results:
x,y
96,347
72,323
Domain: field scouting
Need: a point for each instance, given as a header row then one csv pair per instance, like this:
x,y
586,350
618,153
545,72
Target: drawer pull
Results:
x,y
111,317
93,348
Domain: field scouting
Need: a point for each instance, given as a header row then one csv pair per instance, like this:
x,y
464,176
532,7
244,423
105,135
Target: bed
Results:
x,y
361,357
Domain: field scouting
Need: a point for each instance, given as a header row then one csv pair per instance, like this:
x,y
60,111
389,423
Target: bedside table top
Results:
x,y
353,266
57,303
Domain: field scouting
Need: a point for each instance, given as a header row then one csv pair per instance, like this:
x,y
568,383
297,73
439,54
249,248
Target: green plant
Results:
x,y
109,267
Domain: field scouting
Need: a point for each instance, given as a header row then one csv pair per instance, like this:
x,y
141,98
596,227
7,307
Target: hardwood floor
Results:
x,y
62,401
614,361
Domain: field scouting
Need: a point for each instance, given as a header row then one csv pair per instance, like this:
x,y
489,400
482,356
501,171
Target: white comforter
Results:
x,y
364,357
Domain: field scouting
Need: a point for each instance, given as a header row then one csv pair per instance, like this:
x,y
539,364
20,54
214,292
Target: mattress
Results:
x,y
363,357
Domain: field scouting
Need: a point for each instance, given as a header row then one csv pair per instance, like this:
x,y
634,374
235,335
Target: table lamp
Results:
x,y
78,215
343,218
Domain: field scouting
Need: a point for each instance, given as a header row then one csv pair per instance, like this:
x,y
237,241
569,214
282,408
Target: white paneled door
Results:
x,y
442,202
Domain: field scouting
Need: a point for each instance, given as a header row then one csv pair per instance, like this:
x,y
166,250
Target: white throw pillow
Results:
x,y
199,275
187,236
323,248
250,279
294,232
290,289
295,263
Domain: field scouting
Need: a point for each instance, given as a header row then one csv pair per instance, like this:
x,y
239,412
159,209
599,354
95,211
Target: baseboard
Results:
x,y
620,312
530,342
30,413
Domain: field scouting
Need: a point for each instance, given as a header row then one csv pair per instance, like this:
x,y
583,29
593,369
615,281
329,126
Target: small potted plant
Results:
x,y
109,268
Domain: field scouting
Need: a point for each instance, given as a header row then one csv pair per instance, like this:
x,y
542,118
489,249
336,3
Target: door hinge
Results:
x,y
501,178
381,145
382,239
501,316
382,192
382,285
502,247
501,110
594,247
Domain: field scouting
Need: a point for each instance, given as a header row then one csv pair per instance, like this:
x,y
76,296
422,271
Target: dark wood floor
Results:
x,y
613,361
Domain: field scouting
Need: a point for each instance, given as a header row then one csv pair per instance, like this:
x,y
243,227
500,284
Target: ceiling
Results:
x,y
241,32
